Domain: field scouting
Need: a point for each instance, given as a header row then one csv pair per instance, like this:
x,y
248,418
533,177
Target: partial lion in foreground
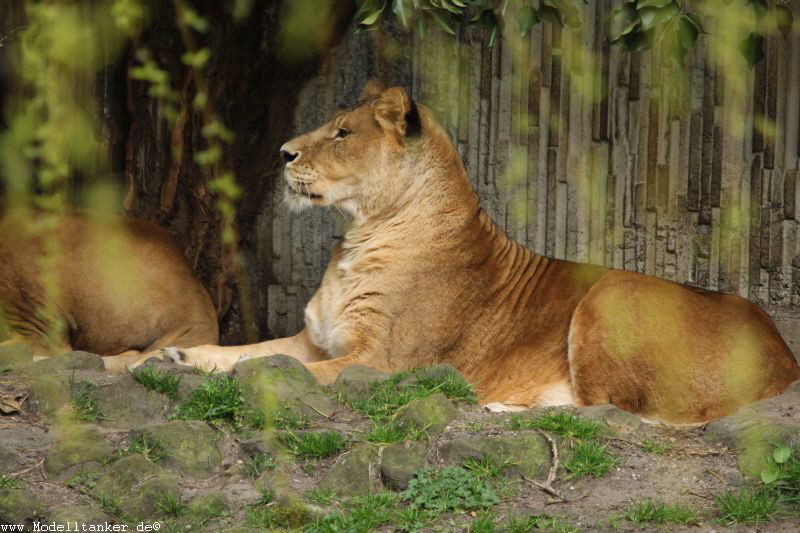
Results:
x,y
424,276
110,285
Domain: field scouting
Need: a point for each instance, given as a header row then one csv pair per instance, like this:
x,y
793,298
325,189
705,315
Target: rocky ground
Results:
x,y
266,448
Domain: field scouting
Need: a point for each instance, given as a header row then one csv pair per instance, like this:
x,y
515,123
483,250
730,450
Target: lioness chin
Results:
x,y
424,276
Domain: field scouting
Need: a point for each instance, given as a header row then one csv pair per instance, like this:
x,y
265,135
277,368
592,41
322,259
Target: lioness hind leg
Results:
x,y
665,351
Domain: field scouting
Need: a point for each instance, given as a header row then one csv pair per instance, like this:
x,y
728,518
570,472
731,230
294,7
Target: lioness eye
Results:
x,y
341,133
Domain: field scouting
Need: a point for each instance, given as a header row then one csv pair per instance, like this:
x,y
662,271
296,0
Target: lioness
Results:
x,y
424,276
116,285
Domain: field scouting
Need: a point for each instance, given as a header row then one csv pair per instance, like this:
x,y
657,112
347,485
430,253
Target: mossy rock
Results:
x,y
18,506
15,355
76,444
612,416
400,462
206,506
48,393
528,450
126,404
143,501
355,472
87,513
8,458
123,476
189,446
432,413
269,383
356,381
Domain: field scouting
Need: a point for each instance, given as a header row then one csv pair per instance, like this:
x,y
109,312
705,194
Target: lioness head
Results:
x,y
355,160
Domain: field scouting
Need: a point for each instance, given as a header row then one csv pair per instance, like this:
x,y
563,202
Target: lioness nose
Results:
x,y
288,156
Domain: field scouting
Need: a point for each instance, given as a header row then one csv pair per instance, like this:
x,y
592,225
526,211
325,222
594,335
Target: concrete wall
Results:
x,y
584,151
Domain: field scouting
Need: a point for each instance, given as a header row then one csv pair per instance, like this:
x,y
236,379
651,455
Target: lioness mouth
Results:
x,y
305,193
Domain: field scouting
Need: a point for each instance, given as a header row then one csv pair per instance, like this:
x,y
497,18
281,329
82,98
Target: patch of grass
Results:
x,y
267,497
560,423
656,446
166,383
525,524
782,475
649,511
324,497
488,466
110,504
259,463
151,449
449,383
218,401
747,506
9,482
448,488
360,515
170,504
412,519
485,522
388,397
288,417
84,403
590,459
391,432
314,445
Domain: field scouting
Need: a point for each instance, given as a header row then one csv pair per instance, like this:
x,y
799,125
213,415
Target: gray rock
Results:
x,y
76,360
271,382
400,462
356,381
263,442
354,472
76,445
26,438
124,475
612,416
432,413
756,429
8,458
189,446
189,382
89,514
126,404
527,449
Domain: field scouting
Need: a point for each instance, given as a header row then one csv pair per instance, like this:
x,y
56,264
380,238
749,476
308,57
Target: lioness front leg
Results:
x,y
211,357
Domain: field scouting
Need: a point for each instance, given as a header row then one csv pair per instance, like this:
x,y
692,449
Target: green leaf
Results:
x,y
442,22
769,476
752,48
197,59
372,18
782,454
570,14
687,32
527,17
399,9
784,19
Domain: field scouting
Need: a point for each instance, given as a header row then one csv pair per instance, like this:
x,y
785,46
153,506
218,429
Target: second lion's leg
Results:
x,y
223,358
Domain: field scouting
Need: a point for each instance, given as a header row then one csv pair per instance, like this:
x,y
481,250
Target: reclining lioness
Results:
x,y
105,284
424,276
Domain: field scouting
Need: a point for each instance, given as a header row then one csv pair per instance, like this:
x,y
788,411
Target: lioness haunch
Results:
x,y
424,276
111,285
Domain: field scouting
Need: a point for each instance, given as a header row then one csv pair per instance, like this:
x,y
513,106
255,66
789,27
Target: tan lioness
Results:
x,y
424,276
105,284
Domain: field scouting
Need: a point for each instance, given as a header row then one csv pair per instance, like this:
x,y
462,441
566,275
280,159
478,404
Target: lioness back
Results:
x,y
115,284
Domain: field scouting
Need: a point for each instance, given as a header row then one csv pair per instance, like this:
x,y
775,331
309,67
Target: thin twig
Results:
x,y
716,475
314,408
26,470
547,486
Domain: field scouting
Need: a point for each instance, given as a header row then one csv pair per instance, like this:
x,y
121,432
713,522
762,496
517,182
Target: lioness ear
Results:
x,y
394,111
372,88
